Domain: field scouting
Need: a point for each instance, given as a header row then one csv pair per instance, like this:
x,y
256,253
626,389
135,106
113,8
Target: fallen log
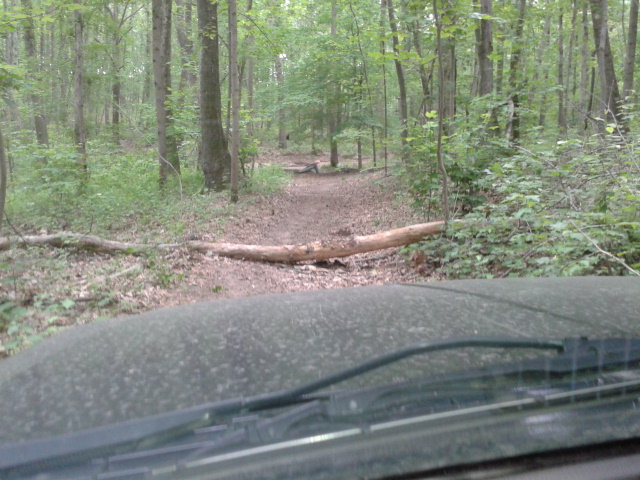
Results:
x,y
313,251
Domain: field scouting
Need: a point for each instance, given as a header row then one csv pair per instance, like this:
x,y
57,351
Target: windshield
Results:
x,y
587,379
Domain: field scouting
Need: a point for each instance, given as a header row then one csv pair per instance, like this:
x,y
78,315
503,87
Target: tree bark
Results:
x,y
630,57
250,69
183,34
610,94
80,131
3,179
562,121
514,80
333,105
313,251
584,65
570,66
234,80
282,132
214,151
441,114
402,88
40,121
484,44
167,148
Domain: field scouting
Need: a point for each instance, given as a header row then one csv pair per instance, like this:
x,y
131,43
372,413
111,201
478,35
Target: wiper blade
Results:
x,y
153,431
272,400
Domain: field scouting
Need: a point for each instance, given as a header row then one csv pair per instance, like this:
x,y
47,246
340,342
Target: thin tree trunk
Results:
x,y
234,80
40,121
402,89
80,135
11,58
214,152
500,64
542,65
3,179
630,57
183,34
562,121
148,71
567,87
250,70
116,66
368,88
383,50
441,116
424,76
584,66
167,149
333,106
610,94
513,132
282,131
484,43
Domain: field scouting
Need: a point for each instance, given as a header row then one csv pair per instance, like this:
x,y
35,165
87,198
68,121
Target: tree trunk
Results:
x,y
11,58
148,71
234,81
441,115
3,179
500,64
282,131
250,69
425,77
543,101
630,57
567,86
80,135
610,94
584,67
513,127
40,121
167,148
562,121
333,105
116,67
183,34
214,152
402,88
484,43
313,251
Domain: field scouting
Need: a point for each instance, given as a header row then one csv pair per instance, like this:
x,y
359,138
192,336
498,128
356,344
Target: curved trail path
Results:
x,y
312,207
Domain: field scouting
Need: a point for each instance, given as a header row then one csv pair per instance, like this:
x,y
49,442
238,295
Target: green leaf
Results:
x,y
67,303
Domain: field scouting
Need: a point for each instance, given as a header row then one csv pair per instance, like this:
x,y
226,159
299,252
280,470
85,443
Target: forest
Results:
x,y
513,121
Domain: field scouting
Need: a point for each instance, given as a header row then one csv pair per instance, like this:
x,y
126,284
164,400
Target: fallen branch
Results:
x,y
308,168
604,252
313,251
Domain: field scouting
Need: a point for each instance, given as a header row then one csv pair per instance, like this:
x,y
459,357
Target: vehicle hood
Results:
x,y
130,367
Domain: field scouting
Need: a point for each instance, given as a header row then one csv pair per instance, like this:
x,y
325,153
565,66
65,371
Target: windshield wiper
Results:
x,y
153,431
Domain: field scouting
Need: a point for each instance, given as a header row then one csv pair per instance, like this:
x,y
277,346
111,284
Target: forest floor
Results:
x,y
312,207
80,287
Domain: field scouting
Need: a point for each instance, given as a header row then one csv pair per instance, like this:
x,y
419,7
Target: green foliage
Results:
x,y
267,179
569,210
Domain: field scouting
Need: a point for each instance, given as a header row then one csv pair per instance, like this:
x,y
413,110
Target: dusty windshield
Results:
x,y
401,171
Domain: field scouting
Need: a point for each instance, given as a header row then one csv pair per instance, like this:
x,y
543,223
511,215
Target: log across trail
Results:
x,y
313,251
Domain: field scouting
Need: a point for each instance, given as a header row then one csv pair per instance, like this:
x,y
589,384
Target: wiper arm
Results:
x,y
286,396
152,431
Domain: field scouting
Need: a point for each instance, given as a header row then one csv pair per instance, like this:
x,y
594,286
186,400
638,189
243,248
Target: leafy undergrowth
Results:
x,y
45,290
570,210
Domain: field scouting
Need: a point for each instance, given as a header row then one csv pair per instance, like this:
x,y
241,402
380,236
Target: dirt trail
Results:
x,y
312,207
